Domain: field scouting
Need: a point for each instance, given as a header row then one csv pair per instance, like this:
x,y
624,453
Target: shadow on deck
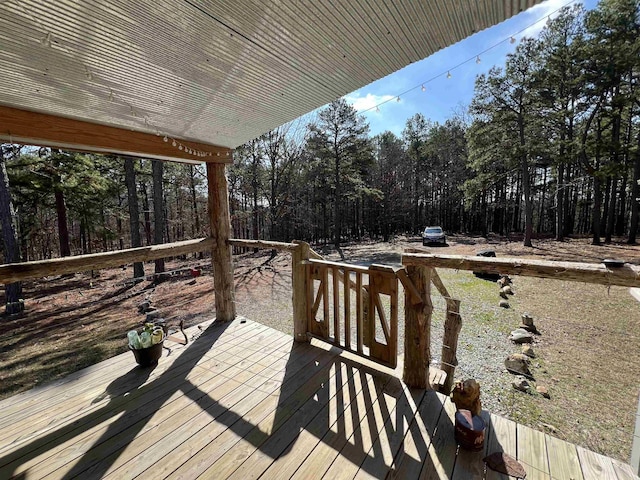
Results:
x,y
243,401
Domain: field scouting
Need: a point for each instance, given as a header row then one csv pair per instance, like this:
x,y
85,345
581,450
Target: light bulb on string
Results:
x,y
448,74
180,147
478,59
512,40
165,138
423,88
173,143
398,99
377,109
46,40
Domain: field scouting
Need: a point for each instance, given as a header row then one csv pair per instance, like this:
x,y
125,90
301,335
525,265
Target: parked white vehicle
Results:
x,y
433,235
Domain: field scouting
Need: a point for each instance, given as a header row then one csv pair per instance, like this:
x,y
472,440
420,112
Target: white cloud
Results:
x,y
368,102
542,11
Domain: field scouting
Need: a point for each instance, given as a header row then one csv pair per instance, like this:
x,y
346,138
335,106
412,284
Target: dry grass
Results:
x,y
586,351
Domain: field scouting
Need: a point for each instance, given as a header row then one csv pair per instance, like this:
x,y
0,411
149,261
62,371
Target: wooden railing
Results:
x,y
421,270
365,326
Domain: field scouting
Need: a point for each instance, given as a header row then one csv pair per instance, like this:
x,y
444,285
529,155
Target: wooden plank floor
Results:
x,y
242,401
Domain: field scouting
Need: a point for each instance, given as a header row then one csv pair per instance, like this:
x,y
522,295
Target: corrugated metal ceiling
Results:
x,y
216,71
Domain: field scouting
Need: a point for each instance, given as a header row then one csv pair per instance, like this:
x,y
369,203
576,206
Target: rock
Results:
x,y
528,351
518,364
144,306
530,328
504,304
527,320
521,336
542,390
507,289
550,427
503,295
152,315
521,384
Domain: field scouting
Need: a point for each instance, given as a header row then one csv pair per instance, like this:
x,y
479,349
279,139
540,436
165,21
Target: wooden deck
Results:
x,y
242,401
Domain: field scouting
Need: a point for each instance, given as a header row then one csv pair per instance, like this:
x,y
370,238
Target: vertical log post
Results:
x,y
221,260
417,330
299,284
452,327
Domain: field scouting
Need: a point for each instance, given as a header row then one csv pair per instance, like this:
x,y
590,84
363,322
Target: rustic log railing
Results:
x,y
15,272
421,270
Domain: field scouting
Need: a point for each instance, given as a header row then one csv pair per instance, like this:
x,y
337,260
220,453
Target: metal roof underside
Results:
x,y
220,72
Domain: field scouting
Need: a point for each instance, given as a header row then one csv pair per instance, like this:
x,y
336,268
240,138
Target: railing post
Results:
x,y
417,329
221,232
452,327
299,287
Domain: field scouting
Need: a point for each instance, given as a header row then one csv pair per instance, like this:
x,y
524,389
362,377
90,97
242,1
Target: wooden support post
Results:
x,y
417,330
299,283
220,221
452,327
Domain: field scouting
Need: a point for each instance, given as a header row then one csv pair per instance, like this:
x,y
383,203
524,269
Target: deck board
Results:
x,y
242,401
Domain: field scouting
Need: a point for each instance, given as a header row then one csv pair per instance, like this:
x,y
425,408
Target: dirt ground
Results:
x,y
586,353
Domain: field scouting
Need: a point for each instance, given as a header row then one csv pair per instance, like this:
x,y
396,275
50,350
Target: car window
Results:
x,y
433,230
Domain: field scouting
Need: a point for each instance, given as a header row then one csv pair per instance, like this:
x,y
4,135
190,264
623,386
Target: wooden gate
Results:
x,y
359,308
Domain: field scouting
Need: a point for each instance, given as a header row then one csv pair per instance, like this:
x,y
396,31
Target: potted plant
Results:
x,y
146,344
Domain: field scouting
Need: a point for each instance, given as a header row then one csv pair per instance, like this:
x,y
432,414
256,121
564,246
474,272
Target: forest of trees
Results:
x,y
550,145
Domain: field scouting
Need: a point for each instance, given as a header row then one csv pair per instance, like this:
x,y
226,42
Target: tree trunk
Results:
x,y
611,214
635,194
147,216
526,190
194,203
597,206
134,215
560,204
13,291
158,210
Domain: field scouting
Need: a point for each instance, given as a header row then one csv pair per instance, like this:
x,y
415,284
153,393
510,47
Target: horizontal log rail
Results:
x,y
350,267
15,272
625,276
263,244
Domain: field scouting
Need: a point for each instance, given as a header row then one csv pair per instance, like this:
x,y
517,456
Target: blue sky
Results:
x,y
445,95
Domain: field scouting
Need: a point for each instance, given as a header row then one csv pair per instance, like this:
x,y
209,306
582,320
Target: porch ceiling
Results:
x,y
217,72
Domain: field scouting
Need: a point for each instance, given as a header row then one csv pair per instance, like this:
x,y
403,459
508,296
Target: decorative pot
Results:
x,y
146,357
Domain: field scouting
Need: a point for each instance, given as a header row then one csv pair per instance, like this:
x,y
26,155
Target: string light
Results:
x,y
46,40
511,39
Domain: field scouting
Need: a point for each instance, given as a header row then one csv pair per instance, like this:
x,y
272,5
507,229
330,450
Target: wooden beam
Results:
x,y
449,358
299,287
31,128
220,221
264,244
625,276
15,272
417,330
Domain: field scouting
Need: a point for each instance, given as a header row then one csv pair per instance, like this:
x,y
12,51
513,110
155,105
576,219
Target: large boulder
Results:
x,y
520,335
518,364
